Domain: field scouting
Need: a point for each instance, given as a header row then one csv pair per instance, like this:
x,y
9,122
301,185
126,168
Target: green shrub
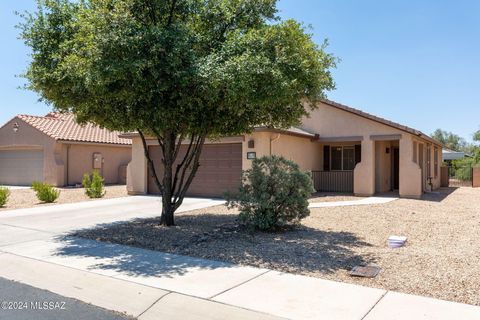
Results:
x,y
4,194
274,193
45,192
94,185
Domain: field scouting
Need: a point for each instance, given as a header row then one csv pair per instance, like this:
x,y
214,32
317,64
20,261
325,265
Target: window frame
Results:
x,y
350,147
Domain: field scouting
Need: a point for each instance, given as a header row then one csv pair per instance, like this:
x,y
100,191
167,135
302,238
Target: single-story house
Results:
x,y
346,149
56,149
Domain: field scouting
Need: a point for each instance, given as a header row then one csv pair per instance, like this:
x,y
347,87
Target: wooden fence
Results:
x,y
333,181
476,177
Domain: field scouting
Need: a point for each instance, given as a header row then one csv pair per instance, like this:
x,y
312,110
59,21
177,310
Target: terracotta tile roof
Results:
x,y
62,126
380,120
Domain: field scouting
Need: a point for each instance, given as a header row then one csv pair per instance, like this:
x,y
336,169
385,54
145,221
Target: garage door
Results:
x,y
21,167
220,170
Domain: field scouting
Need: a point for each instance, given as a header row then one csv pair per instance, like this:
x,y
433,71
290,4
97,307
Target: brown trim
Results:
x,y
21,147
385,137
129,135
340,139
94,143
286,132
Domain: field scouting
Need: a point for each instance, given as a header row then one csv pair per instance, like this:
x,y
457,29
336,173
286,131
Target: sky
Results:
x,y
412,62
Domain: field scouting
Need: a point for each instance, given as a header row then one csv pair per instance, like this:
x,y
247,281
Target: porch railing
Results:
x,y
333,181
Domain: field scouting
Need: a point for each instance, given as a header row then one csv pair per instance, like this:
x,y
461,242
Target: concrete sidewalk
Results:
x,y
360,202
154,285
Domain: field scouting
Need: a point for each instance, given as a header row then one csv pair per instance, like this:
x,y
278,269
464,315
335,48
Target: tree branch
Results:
x,y
172,11
151,165
178,199
181,164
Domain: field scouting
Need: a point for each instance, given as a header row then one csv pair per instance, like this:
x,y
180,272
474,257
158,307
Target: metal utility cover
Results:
x,y
365,271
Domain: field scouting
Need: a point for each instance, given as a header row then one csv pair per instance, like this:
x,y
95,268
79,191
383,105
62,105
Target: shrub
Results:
x,y
45,192
4,194
94,185
273,194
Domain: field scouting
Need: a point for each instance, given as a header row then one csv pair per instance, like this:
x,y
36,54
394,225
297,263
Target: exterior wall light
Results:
x,y
15,127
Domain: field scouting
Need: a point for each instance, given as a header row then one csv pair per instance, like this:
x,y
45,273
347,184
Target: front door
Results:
x,y
396,168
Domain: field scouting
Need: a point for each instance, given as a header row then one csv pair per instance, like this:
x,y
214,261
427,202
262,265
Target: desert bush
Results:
x,y
274,193
94,185
4,194
45,192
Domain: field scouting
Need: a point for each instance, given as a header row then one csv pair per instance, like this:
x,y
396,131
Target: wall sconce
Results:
x,y
251,144
387,151
15,127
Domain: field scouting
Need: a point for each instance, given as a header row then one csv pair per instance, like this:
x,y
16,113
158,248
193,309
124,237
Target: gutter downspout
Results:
x,y
272,140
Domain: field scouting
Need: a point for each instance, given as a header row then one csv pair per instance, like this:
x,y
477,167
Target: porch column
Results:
x,y
364,172
410,172
137,173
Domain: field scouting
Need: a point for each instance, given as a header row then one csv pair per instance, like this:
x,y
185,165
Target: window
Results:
x,y
342,158
429,161
348,158
336,156
435,161
415,151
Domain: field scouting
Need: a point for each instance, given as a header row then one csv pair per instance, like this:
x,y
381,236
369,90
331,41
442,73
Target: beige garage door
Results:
x,y
220,170
21,167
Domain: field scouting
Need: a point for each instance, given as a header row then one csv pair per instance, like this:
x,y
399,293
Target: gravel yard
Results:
x,y
26,198
441,258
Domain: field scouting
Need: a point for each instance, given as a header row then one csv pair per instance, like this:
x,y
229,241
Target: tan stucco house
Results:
x,y
56,149
346,149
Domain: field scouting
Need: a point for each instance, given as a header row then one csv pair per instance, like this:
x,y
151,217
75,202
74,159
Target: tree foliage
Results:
x,y
180,71
449,139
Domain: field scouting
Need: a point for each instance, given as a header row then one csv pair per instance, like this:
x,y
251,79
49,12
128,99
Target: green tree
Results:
x,y
476,136
450,140
179,71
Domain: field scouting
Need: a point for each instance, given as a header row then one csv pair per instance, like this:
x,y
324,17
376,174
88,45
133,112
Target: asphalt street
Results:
x,y
22,302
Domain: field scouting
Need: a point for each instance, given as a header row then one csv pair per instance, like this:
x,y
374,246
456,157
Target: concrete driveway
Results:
x,y
63,218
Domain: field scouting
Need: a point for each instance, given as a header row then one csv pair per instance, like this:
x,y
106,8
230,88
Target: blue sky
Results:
x,y
413,62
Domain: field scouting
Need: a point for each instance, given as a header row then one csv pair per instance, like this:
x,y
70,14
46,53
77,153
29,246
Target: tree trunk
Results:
x,y
177,177
168,208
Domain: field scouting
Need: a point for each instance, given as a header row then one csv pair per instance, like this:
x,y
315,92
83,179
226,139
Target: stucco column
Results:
x,y
410,172
137,173
261,147
364,172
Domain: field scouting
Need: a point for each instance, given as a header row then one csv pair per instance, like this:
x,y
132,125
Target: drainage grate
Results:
x,y
365,271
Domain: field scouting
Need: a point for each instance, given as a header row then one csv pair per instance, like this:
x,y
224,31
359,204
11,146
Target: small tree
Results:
x,y
94,185
4,194
178,71
274,193
45,192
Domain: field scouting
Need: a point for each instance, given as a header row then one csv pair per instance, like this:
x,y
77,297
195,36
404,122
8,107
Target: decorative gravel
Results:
x,y
26,198
441,258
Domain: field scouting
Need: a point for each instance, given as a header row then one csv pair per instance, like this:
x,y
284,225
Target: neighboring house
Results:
x,y
57,150
449,155
346,149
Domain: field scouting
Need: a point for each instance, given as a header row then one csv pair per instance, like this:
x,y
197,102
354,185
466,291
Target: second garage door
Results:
x,y
21,167
220,170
